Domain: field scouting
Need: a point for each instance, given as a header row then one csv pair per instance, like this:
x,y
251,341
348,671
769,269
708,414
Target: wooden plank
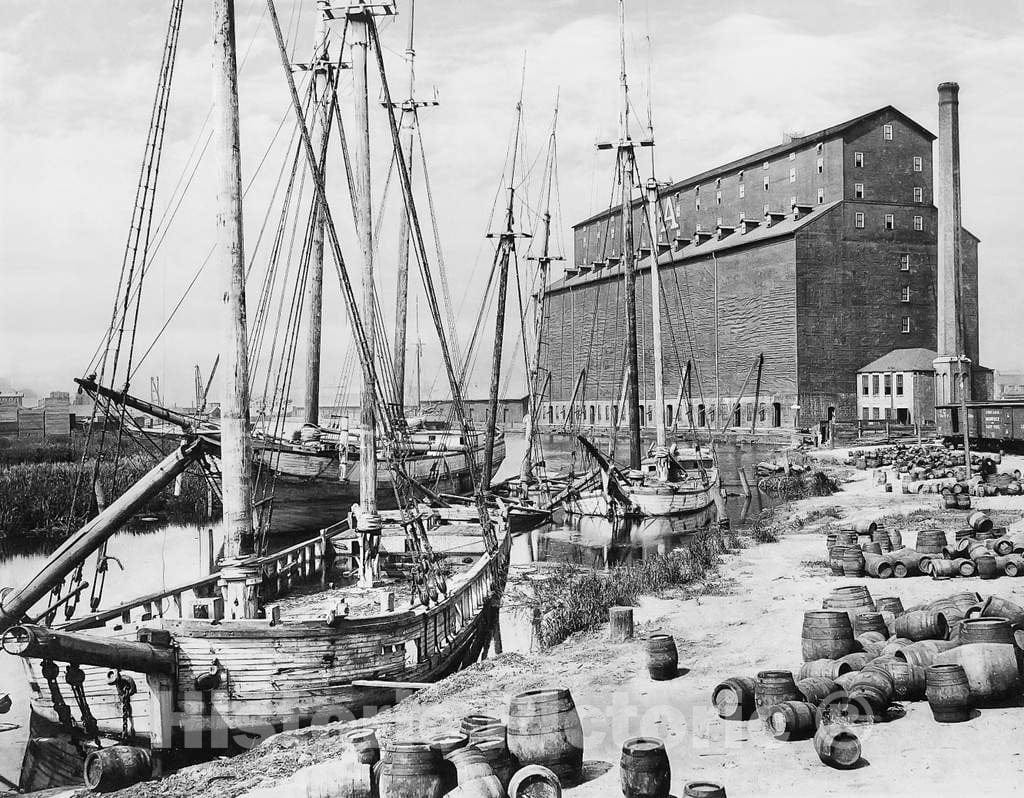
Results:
x,y
390,685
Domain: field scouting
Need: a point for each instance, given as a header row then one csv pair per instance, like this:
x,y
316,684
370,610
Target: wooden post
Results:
x,y
757,391
236,448
744,484
659,377
620,624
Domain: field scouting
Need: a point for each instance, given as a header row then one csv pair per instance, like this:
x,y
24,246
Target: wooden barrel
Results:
x,y
922,625
620,624
733,698
116,767
792,720
944,569
895,539
544,729
930,541
1011,564
964,534
986,630
846,537
364,741
534,781
662,657
496,754
835,558
966,567
644,768
870,622
830,541
411,769
891,604
1000,546
948,693
963,501
469,764
877,566
471,722
908,681
336,778
818,690
991,668
774,687
923,652
494,731
871,691
987,568
881,537
864,527
703,789
444,744
824,668
827,634
837,747
857,660
996,607
853,562
872,548
853,599
979,522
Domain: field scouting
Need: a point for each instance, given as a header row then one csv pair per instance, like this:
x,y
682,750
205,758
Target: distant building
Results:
x,y
898,387
819,253
1009,385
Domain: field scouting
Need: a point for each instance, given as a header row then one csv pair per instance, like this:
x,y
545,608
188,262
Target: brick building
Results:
x,y
819,253
899,386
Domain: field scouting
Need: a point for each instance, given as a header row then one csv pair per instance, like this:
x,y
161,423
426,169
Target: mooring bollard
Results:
x,y
620,626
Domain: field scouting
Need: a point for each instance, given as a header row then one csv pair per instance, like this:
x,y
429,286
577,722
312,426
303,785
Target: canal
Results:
x,y
161,557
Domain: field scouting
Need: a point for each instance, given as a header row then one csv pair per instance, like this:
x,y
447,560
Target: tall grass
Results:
x,y
574,599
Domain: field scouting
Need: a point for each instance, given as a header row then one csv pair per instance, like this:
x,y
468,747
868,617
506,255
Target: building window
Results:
x,y
742,191
918,163
890,222
821,195
867,413
792,156
765,165
874,413
718,182
918,194
718,197
792,201
899,385
906,324
740,176
767,183
766,209
858,219
888,385
858,159
874,385
696,201
887,132
718,221
821,165
792,175
919,223
888,413
905,294
818,148
905,262
858,191
864,384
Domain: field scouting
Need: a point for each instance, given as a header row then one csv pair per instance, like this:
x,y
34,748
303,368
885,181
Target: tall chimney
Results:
x,y
952,368
947,197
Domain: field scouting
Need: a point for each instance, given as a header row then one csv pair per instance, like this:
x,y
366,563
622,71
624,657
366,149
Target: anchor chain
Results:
x,y
126,688
50,672
75,676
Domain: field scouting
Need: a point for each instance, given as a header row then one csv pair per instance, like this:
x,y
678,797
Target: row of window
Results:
x,y
858,192
889,221
875,413
858,161
886,384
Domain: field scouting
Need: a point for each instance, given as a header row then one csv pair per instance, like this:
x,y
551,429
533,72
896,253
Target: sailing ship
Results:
x,y
668,481
266,641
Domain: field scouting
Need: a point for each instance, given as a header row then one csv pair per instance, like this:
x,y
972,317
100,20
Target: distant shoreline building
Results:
x,y
820,253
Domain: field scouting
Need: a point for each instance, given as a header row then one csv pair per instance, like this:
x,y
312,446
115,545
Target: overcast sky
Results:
x,y
77,81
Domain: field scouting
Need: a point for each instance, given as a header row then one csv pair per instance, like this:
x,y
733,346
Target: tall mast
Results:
x,y
408,122
506,249
659,380
369,520
315,283
627,163
543,263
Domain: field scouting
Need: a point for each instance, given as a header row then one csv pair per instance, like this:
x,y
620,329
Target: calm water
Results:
x,y
166,556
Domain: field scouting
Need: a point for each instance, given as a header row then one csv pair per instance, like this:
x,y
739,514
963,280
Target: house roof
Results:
x,y
759,235
903,360
794,143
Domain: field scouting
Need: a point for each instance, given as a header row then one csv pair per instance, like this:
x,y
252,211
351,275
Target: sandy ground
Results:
x,y
750,621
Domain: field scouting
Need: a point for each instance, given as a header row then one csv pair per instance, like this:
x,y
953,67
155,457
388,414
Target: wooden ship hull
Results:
x,y
690,495
287,671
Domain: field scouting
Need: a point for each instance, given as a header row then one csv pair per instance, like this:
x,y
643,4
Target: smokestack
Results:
x,y
947,198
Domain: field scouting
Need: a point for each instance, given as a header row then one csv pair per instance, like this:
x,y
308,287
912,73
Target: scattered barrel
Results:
x,y
1000,546
949,694
494,731
703,789
837,747
544,729
963,501
662,657
986,565
923,652
873,688
620,624
870,622
979,522
846,537
877,566
881,537
734,698
496,754
1011,565
364,741
872,548
931,541
792,720
644,768
986,630
773,687
967,567
835,558
852,599
891,604
818,690
444,744
908,681
870,644
827,634
471,722
922,625
469,765
853,562
534,781
118,766
991,669
996,607
845,680
864,527
944,569
905,562
411,768
824,668
895,539
856,661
